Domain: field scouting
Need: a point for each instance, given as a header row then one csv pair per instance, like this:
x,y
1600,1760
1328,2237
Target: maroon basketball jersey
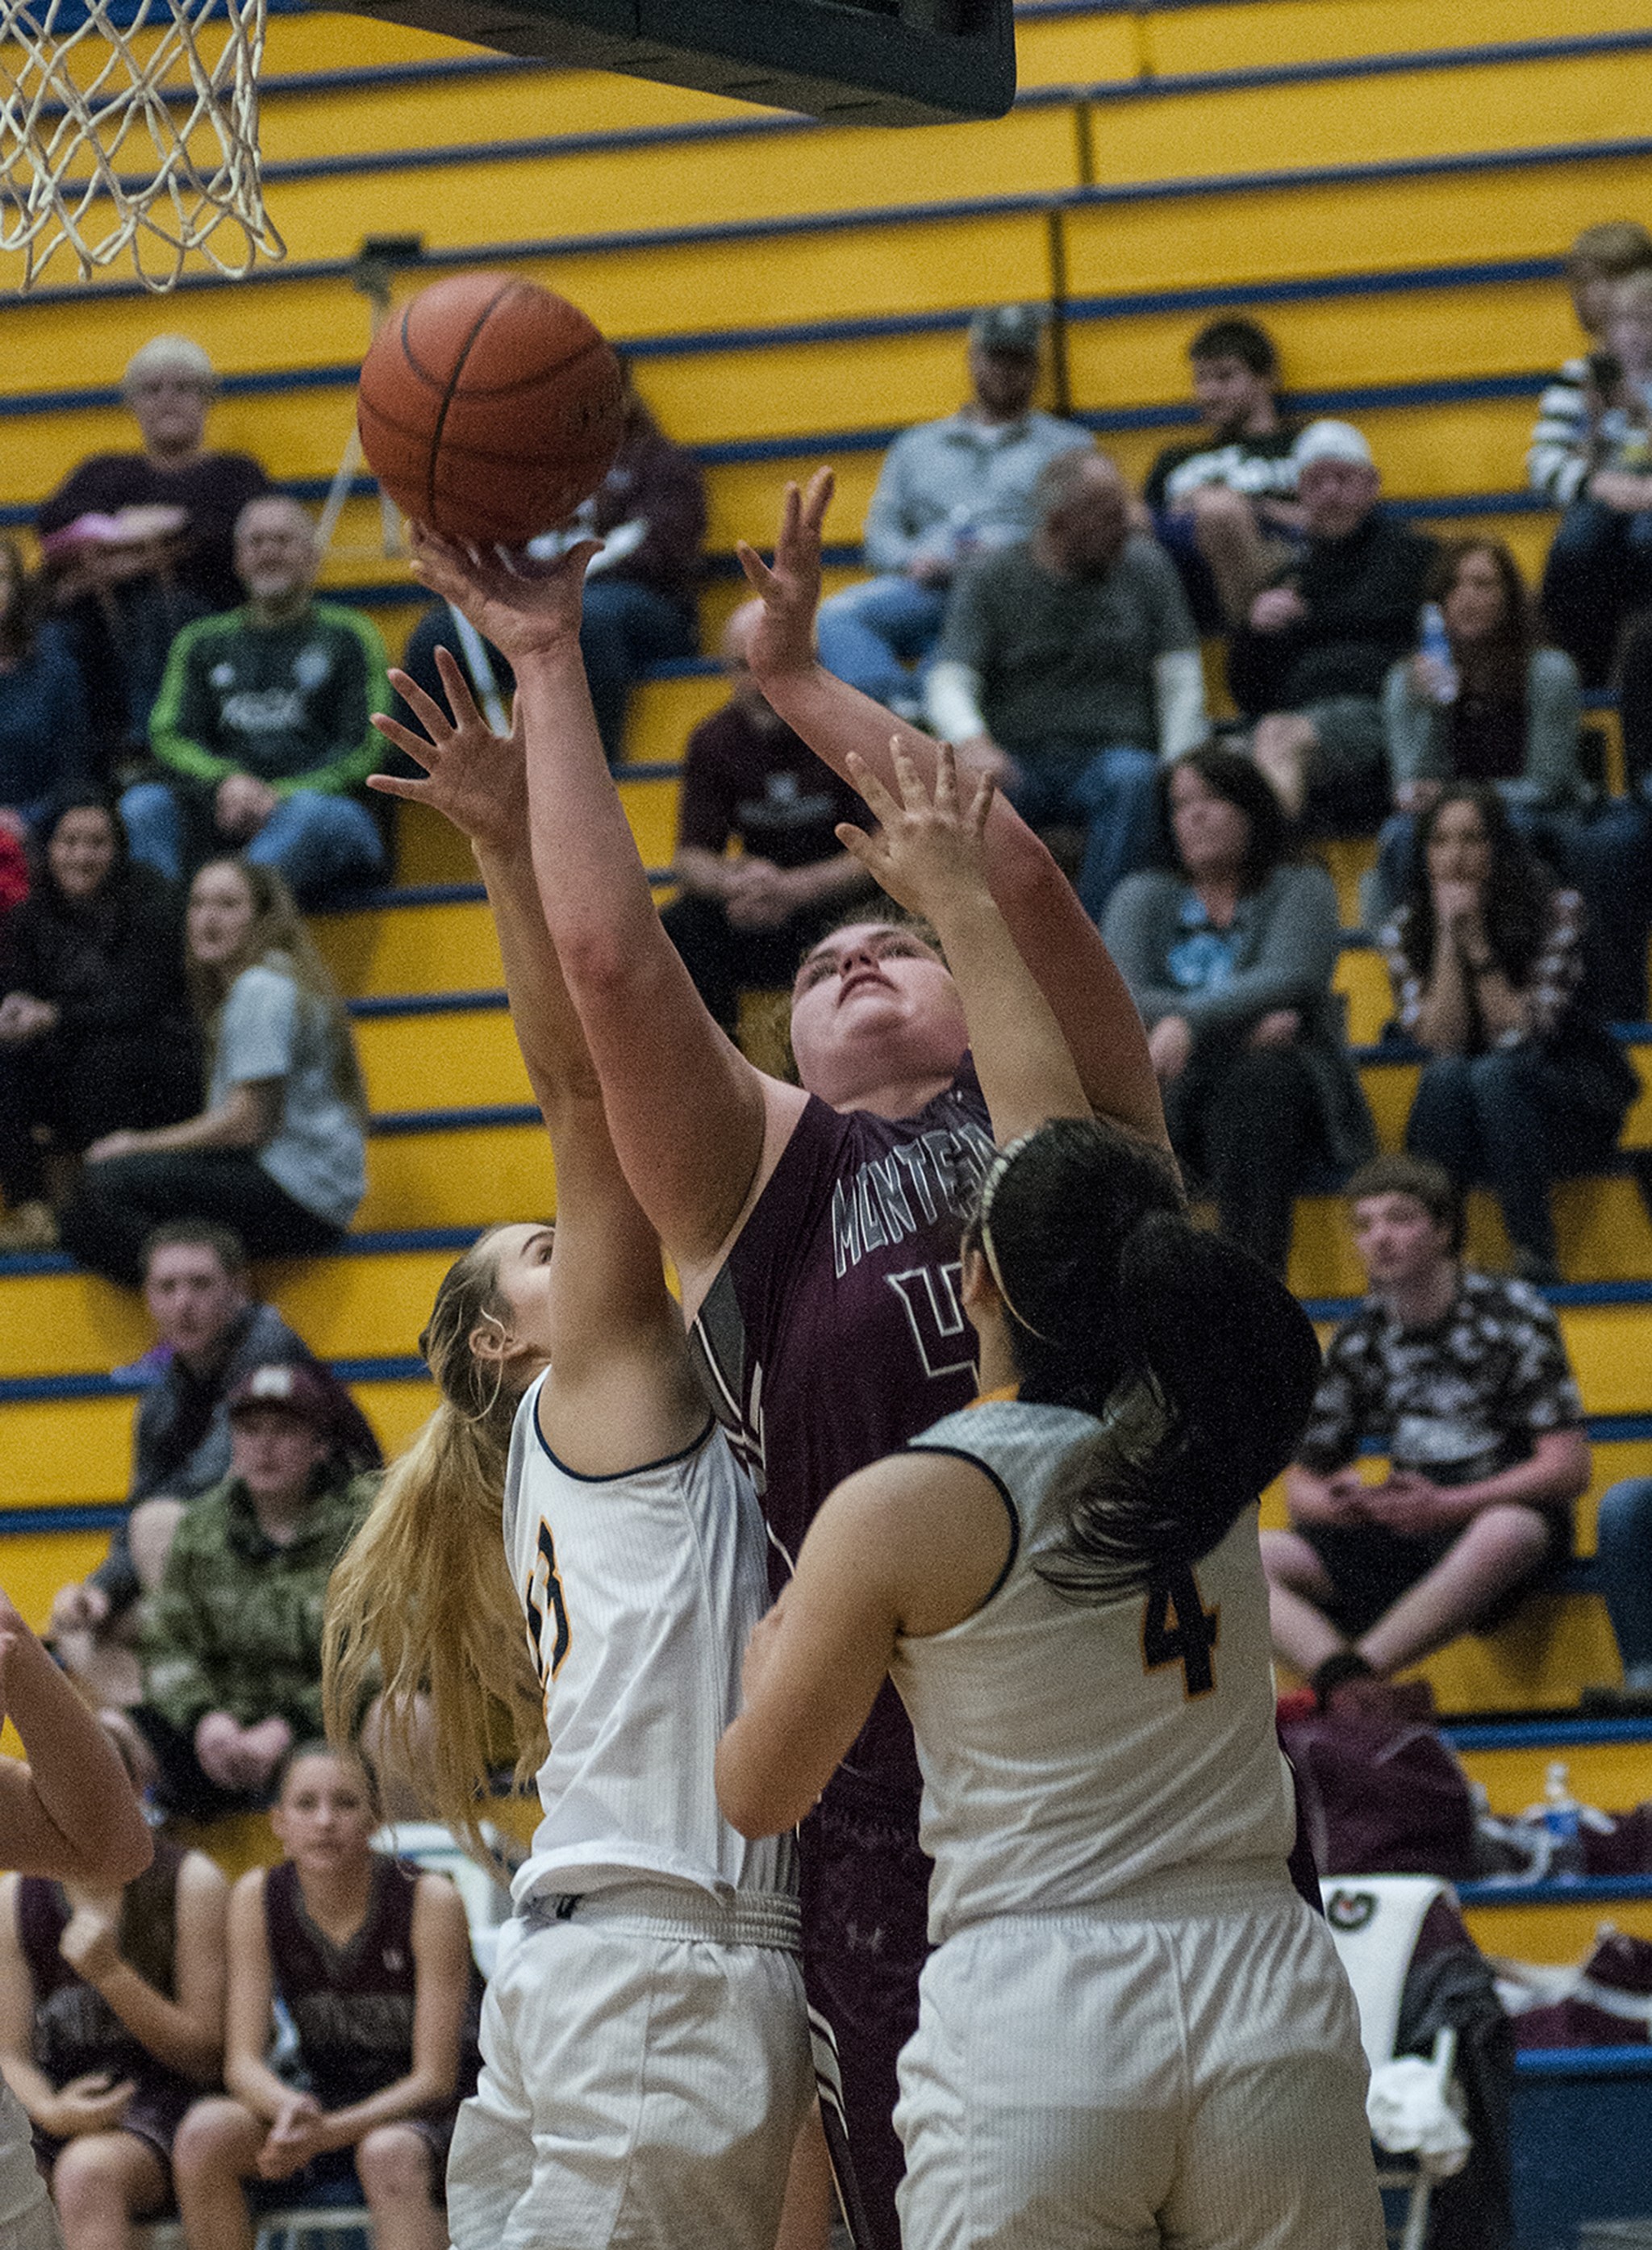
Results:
x,y
834,1331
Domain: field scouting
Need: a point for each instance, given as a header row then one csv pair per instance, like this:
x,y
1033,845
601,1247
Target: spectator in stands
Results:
x,y
110,2023
1562,456
1504,711
1613,855
278,1153
1070,664
1485,956
642,591
369,1961
1600,567
1308,665
947,490
210,1334
231,1648
45,743
143,541
262,728
96,1031
1228,951
1600,257
748,779
1225,506
1461,1378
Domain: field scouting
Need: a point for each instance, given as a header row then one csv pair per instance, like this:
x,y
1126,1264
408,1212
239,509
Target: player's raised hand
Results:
x,y
789,587
526,607
926,852
474,777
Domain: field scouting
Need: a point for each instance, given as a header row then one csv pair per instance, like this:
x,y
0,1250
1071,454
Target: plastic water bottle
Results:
x,y
1561,1819
1434,646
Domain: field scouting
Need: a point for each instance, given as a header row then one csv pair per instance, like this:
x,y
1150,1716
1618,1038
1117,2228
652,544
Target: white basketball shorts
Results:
x,y
643,2082
1184,2068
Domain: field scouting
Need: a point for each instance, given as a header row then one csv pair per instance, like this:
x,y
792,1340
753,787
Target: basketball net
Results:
x,y
138,136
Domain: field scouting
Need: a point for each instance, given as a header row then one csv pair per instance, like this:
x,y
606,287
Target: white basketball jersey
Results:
x,y
640,1591
1071,1750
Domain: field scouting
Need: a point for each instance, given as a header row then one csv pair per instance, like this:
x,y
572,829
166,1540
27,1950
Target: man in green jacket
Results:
x,y
263,725
231,1653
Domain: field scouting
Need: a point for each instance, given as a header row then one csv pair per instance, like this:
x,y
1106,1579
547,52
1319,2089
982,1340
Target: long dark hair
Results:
x,y
1517,891
1227,774
1500,664
1200,1366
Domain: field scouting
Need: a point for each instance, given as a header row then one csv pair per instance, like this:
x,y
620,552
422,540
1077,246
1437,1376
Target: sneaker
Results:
x,y
31,1226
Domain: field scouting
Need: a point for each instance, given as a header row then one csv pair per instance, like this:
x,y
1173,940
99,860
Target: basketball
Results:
x,y
489,408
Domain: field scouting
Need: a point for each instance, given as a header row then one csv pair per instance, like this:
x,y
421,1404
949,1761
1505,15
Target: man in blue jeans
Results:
x,y
947,490
1069,666
262,727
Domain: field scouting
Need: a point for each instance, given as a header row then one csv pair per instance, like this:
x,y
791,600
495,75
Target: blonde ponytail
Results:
x,y
420,1608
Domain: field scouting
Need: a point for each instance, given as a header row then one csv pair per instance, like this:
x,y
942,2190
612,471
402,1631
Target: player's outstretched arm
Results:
x,y
620,1390
910,1545
928,854
70,1811
688,1114
1054,936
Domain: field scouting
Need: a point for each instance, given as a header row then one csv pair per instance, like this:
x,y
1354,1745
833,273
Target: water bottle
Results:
x,y
1434,646
1561,1819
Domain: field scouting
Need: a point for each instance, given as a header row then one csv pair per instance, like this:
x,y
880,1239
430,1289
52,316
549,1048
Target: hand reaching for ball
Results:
x,y
525,607
476,778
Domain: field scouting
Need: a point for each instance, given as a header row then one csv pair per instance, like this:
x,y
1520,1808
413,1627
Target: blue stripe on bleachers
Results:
x,y
1583,2061
1250,76
1560,1734
1369,174
1588,1890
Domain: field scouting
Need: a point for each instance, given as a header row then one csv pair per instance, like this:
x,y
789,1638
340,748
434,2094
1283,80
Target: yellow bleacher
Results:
x,y
1389,189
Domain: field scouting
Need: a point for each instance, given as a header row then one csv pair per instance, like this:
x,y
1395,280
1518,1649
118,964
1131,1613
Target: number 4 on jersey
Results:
x,y
1177,1628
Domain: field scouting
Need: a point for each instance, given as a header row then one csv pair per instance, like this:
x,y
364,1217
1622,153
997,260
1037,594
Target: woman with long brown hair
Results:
x,y
278,1151
1520,1087
646,2058
1501,710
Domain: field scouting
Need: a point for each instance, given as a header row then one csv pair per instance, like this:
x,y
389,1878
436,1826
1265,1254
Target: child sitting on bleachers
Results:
x,y
369,1962
111,2021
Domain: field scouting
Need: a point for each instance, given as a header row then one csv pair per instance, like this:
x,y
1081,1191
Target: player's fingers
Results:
x,y
818,498
760,577
436,720
985,790
946,779
856,842
873,790
404,739
913,795
460,700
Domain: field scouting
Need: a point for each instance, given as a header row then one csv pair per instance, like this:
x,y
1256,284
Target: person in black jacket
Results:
x,y
96,1030
1309,662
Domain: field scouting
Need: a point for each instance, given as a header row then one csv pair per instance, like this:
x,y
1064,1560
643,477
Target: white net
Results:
x,y
133,130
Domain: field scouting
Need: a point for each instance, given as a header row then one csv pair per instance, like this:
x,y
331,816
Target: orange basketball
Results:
x,y
489,408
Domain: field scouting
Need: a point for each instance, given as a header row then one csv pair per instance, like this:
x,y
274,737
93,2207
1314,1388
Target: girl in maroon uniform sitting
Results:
x,y
370,1961
111,2021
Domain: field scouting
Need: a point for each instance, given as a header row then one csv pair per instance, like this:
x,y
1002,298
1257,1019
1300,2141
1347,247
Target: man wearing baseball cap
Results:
x,y
231,1653
947,490
1308,664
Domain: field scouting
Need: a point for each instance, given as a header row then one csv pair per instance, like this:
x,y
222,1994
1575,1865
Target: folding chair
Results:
x,y
1375,1922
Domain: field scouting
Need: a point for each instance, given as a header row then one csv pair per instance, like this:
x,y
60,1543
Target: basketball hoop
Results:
x,y
133,128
